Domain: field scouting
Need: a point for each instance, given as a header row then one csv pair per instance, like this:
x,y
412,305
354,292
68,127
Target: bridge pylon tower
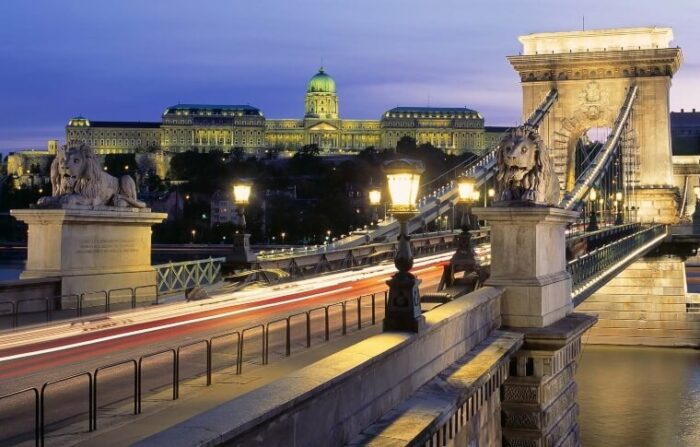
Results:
x,y
592,71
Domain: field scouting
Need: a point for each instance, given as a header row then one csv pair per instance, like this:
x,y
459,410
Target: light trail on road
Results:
x,y
74,345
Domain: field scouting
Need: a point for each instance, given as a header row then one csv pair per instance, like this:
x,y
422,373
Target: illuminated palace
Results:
x,y
205,127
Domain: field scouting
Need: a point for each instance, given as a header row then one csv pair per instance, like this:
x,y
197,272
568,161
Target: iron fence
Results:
x,y
60,307
179,276
137,368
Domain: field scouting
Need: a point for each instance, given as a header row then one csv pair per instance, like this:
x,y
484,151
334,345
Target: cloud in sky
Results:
x,y
128,60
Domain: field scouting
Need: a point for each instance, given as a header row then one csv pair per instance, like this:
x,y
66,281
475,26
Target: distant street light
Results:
x,y
593,222
241,197
375,198
194,233
403,312
619,219
283,235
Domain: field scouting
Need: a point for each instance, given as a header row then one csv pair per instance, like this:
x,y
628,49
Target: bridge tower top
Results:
x,y
597,40
592,71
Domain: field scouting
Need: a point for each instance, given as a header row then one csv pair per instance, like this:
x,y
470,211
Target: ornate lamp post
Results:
x,y
619,220
375,198
403,312
593,201
241,240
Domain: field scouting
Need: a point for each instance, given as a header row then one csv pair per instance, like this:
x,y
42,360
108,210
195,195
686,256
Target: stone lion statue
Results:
x,y
78,179
524,169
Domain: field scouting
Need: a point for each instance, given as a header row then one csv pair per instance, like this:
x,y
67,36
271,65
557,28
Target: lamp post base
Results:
x,y
403,312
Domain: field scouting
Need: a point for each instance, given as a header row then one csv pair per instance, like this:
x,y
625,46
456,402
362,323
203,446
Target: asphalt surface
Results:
x,y
31,358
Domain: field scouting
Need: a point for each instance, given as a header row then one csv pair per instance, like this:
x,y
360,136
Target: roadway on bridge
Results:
x,y
29,358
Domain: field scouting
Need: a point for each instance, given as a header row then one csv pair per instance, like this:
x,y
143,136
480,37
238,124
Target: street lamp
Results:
x,y
403,312
241,239
375,198
241,197
468,195
618,208
593,223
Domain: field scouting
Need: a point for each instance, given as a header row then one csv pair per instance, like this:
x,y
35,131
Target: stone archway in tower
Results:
x,y
583,119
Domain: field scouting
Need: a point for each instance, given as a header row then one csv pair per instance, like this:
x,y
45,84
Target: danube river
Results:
x,y
10,269
639,397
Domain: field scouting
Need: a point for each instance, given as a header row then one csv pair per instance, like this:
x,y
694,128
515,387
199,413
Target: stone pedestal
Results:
x,y
241,253
403,307
538,400
90,248
528,259
656,205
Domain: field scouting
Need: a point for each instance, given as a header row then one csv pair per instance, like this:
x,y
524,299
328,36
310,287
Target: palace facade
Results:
x,y
206,127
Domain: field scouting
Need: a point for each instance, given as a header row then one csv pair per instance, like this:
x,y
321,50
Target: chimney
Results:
x,y
682,110
693,110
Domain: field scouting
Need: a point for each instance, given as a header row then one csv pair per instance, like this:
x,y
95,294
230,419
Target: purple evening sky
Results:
x,y
129,59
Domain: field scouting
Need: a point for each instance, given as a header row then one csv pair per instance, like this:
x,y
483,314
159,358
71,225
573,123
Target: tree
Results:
x,y
406,143
121,164
238,154
307,160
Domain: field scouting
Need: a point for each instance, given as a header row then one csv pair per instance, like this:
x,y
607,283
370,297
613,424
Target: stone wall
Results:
x,y
646,304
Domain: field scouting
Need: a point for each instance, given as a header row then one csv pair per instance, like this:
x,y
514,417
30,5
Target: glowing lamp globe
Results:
x,y
592,196
618,196
241,193
375,197
403,180
466,189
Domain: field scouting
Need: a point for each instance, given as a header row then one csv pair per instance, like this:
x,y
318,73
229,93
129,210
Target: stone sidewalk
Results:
x,y
196,398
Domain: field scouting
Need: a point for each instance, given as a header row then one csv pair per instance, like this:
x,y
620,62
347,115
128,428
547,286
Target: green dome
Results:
x,y
321,82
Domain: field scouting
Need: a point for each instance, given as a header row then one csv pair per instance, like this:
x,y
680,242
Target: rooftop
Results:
x,y
432,111
241,108
80,121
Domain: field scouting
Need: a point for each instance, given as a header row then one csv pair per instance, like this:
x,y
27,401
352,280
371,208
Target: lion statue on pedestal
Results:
x,y
524,169
78,179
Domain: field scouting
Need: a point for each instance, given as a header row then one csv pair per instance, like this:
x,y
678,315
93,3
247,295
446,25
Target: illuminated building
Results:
x,y
206,127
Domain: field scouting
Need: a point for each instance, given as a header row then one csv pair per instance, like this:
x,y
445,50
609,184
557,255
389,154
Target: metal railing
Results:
x,y
179,276
60,307
244,339
597,265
